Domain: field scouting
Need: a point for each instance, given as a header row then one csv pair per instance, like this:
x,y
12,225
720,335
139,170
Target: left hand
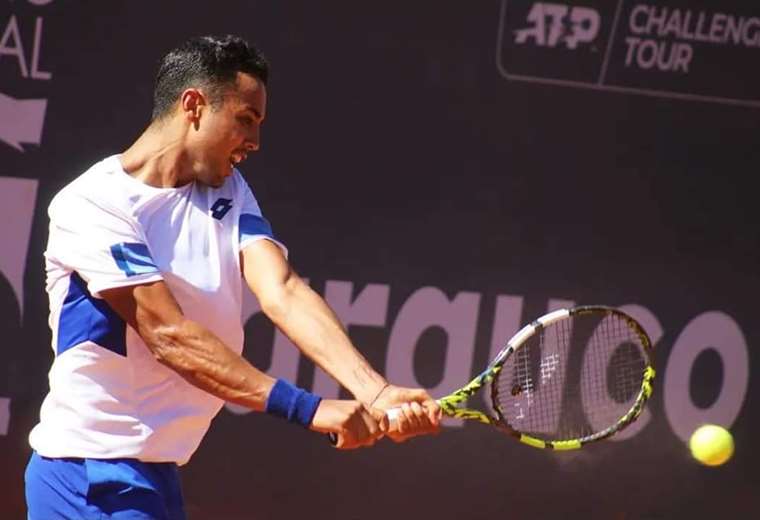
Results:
x,y
419,413
352,424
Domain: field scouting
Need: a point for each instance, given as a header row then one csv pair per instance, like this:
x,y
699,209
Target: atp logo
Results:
x,y
558,24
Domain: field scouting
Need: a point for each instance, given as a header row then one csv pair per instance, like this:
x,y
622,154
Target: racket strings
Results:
x,y
528,389
613,384
552,351
573,379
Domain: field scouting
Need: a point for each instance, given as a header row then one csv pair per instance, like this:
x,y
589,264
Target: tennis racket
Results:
x,y
571,377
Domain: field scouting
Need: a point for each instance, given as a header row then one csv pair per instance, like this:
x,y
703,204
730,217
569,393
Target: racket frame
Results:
x,y
452,404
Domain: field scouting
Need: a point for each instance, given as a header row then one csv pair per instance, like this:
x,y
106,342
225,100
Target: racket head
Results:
x,y
571,377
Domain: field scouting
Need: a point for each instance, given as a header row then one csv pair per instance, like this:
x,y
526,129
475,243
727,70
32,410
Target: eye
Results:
x,y
246,120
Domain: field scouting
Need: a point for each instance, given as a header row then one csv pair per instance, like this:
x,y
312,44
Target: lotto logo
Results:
x,y
220,208
558,24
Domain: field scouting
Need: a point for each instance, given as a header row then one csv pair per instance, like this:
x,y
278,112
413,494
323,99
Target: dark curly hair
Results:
x,y
210,62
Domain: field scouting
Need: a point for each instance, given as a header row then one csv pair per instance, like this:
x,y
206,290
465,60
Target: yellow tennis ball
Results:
x,y
712,445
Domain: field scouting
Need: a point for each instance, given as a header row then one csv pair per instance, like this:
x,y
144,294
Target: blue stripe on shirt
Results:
x,y
85,318
133,258
254,225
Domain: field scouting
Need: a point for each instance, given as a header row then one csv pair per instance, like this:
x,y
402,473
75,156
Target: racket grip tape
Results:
x,y
392,415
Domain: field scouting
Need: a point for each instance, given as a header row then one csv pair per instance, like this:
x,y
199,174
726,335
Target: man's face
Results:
x,y
224,135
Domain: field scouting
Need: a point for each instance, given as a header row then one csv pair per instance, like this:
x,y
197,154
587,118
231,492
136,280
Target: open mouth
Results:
x,y
237,158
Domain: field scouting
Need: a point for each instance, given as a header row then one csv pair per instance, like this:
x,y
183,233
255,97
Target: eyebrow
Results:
x,y
256,112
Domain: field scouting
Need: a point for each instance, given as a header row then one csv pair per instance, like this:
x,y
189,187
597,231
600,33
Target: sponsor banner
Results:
x,y
23,75
436,211
701,51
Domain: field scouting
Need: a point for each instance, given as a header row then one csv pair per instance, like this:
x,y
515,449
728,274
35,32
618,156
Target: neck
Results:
x,y
158,157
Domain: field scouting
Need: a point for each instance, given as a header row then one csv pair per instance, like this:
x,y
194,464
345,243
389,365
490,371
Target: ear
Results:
x,y
192,103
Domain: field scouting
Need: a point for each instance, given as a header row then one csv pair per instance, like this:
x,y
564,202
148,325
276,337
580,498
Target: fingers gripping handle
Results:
x,y
392,415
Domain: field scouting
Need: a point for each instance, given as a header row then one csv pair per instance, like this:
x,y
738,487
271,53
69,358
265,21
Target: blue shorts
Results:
x,y
98,489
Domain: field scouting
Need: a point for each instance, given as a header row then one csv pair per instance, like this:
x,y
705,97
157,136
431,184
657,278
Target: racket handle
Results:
x,y
392,415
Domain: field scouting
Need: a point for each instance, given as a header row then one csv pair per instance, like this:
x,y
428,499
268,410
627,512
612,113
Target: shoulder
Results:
x,y
239,184
243,191
97,190
235,192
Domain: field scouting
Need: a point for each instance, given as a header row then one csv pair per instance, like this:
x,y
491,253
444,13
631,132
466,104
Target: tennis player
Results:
x,y
144,263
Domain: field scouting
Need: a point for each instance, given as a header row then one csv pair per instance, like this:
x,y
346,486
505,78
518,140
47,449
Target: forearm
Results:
x,y
207,363
311,325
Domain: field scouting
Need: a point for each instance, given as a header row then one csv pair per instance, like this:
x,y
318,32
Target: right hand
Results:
x,y
353,423
417,412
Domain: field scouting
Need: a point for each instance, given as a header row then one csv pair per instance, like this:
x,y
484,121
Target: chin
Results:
x,y
217,181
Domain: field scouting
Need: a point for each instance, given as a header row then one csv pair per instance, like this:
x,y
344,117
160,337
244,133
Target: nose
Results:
x,y
252,140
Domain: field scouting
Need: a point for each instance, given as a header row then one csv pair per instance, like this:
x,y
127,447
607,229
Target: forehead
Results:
x,y
248,92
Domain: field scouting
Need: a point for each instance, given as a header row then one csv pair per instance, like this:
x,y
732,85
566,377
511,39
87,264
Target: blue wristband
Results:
x,y
292,403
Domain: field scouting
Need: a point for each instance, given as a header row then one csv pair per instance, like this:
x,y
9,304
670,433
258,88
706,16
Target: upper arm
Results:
x,y
267,272
263,258
108,251
150,309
